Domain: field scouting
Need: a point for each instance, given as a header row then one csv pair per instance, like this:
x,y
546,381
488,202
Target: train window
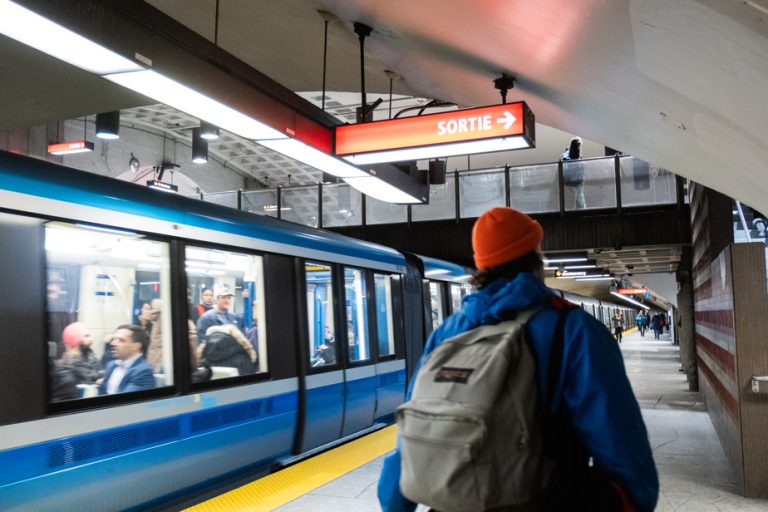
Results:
x,y
322,339
357,314
226,321
436,302
456,295
107,293
384,326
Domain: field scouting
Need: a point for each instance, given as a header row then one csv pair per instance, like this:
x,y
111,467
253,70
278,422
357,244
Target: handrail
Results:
x,y
618,176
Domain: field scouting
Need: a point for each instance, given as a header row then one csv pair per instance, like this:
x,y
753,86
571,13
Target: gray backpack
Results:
x,y
470,436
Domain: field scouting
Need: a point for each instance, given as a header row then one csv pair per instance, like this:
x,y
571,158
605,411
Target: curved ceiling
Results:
x,y
679,84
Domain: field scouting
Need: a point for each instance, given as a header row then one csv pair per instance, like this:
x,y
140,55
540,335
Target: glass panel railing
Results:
x,y
379,212
589,184
442,203
479,191
228,199
262,202
534,188
342,206
299,205
645,184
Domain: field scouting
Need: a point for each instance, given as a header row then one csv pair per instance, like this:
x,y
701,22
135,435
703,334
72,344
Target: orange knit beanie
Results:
x,y
501,235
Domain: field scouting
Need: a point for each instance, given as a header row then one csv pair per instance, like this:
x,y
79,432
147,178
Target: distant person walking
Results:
x,y
573,172
618,326
641,325
657,325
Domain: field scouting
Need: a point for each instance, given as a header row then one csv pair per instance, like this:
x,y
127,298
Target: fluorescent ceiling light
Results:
x,y
562,260
306,154
42,34
443,150
381,190
622,297
571,267
181,97
69,148
594,278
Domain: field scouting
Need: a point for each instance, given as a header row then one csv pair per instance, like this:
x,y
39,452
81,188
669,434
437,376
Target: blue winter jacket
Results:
x,y
593,387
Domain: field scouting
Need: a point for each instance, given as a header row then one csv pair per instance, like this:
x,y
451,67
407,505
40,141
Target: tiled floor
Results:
x,y
692,467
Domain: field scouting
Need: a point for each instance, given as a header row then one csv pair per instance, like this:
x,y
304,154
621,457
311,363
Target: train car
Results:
x,y
323,322
326,329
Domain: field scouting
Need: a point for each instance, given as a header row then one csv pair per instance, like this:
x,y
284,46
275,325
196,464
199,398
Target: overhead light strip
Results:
x,y
313,157
70,148
179,96
622,297
444,150
381,190
48,37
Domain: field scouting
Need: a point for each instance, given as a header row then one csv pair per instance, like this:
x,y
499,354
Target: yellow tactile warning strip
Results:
x,y
279,488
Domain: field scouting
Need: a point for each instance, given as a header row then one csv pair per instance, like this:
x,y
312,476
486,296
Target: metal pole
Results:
x,y
456,196
561,186
507,186
320,205
617,174
279,201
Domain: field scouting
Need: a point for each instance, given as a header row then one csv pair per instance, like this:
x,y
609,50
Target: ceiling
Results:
x,y
679,84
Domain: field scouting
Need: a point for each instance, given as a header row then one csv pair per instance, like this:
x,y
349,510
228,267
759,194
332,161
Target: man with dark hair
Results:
x,y
592,432
129,370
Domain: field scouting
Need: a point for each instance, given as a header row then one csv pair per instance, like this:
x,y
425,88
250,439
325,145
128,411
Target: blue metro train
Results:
x,y
331,325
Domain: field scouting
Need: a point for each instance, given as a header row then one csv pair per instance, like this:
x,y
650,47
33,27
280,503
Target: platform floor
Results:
x,y
693,470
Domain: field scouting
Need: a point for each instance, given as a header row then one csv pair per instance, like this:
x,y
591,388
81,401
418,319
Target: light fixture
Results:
x,y
69,148
199,147
108,125
306,154
563,260
460,132
48,37
437,172
381,190
571,267
134,164
208,131
603,277
622,297
179,96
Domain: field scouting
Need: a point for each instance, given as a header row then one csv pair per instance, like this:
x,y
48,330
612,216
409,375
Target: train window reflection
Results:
x,y
107,290
357,314
322,333
456,296
227,332
384,327
436,302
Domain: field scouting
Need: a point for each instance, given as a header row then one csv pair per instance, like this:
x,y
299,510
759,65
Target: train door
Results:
x,y
390,366
324,376
359,360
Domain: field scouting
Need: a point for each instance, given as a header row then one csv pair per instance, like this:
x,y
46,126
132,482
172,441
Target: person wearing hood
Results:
x,y
598,417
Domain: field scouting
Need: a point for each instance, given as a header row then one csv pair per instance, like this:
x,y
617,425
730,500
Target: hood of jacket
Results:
x,y
491,304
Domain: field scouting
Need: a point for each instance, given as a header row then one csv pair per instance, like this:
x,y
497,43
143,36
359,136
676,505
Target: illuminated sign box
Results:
x,y
461,132
632,291
161,185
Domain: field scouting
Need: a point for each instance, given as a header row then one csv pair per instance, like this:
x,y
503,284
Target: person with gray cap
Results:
x,y
219,314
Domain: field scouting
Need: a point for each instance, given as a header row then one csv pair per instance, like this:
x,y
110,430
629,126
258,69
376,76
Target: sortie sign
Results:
x,y
458,126
632,291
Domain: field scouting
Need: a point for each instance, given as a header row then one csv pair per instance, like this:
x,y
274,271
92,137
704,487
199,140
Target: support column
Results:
x,y
685,326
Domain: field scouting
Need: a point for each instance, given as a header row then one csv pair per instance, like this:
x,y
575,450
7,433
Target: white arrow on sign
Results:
x,y
508,120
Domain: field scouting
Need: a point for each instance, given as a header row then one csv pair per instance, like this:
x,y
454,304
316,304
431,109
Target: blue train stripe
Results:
x,y
44,179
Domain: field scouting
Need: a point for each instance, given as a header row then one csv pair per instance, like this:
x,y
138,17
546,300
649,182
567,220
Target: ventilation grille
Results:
x,y
114,441
230,415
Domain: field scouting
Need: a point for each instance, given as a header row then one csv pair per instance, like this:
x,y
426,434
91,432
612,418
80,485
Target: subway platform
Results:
x,y
693,470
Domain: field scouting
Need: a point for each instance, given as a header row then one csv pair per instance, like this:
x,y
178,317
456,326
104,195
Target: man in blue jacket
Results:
x,y
129,370
596,414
